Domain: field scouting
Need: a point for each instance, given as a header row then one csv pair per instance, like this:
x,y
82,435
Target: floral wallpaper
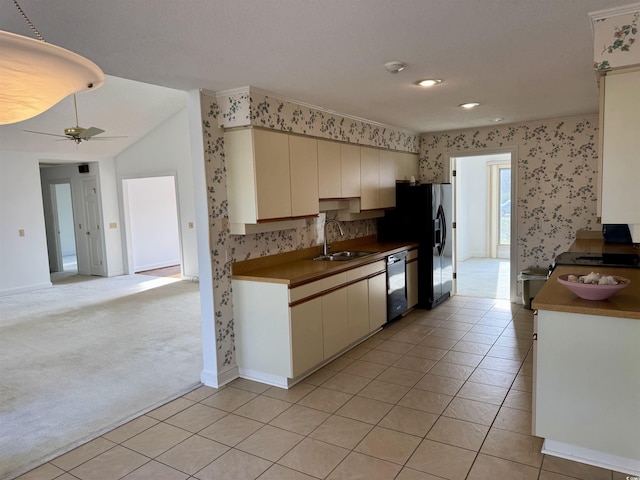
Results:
x,y
557,178
615,39
231,110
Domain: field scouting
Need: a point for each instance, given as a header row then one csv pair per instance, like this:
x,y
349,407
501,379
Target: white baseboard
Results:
x,y
26,288
217,380
596,458
267,378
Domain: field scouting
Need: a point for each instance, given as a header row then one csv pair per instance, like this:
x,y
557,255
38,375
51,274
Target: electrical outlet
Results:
x,y
21,232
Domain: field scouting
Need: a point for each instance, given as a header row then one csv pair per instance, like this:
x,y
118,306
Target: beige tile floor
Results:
x,y
439,394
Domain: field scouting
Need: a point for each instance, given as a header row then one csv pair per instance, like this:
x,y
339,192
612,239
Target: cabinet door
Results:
x,y
306,335
335,326
387,179
350,168
377,301
621,144
272,182
329,170
369,178
303,165
412,284
358,306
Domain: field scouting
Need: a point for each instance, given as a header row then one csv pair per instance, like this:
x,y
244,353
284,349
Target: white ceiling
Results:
x,y
521,59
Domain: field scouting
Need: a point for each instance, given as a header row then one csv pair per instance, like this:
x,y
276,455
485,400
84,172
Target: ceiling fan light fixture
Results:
x,y
429,82
35,75
469,105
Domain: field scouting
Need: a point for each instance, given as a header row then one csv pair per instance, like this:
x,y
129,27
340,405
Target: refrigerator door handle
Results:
x,y
442,221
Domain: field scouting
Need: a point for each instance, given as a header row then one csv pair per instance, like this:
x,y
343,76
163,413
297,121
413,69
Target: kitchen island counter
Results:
x,y
556,297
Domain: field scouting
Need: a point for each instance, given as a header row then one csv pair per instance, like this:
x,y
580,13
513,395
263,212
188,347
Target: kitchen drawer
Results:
x,y
365,271
314,288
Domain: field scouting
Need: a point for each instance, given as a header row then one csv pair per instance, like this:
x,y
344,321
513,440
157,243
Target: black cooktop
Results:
x,y
629,260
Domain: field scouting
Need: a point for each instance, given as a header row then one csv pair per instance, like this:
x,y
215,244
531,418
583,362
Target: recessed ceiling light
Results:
x,y
429,82
469,105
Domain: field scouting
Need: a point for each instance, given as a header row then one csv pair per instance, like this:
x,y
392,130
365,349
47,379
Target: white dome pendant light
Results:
x,y
35,75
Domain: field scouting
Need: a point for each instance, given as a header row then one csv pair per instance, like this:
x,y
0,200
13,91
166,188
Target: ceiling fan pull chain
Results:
x,y
26,19
75,106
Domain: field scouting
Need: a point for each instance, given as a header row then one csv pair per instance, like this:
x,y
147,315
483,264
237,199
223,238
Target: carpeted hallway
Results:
x,y
89,354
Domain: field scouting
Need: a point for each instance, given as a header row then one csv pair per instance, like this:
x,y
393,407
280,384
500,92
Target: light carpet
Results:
x,y
85,356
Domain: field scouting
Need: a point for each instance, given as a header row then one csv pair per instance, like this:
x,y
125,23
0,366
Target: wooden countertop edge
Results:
x,y
267,269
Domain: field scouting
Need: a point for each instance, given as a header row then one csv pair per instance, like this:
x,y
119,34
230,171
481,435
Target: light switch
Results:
x,y
21,232
113,225
190,224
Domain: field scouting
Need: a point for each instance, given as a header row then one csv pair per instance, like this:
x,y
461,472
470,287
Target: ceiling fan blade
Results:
x,y
90,132
43,133
107,138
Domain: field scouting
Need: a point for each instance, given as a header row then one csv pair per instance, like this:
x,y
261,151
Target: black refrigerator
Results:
x,y
423,214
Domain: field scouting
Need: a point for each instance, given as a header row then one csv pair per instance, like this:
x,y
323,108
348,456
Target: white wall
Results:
x,y
472,223
151,217
166,151
24,260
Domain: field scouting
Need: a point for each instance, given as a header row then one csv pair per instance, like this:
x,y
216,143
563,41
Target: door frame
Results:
x,y
513,251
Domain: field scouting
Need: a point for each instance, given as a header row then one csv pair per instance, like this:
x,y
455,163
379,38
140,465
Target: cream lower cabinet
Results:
x,y
377,301
412,278
306,329
358,310
282,334
335,322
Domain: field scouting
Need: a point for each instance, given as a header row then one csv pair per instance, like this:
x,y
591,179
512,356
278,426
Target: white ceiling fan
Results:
x,y
78,134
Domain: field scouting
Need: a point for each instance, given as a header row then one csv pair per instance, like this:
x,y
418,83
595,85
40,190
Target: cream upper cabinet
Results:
x,y
620,147
271,175
388,168
303,167
329,170
350,170
338,170
378,178
407,166
369,178
258,179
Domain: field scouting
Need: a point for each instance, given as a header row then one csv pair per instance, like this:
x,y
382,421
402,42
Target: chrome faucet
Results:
x,y
325,246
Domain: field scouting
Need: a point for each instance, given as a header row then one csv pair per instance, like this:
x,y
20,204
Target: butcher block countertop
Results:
x,y
625,303
296,268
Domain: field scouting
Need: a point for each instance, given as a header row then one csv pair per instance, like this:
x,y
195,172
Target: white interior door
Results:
x,y
92,226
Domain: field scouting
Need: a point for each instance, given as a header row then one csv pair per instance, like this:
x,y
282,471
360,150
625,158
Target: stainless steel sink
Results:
x,y
343,256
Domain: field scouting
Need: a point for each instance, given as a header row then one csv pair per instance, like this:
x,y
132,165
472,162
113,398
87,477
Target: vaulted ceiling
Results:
x,y
521,59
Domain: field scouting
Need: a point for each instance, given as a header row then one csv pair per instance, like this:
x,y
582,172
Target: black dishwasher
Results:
x,y
396,285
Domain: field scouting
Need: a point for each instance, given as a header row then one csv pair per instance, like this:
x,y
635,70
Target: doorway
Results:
x,y
65,257
485,256
151,223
